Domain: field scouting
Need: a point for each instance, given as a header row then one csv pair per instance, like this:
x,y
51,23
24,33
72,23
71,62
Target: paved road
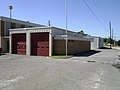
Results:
x,y
117,48
94,72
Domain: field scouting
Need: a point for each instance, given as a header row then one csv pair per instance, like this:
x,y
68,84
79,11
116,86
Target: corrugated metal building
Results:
x,y
96,42
46,41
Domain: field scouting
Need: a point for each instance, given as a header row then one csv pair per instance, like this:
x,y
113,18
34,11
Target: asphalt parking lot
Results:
x,y
95,71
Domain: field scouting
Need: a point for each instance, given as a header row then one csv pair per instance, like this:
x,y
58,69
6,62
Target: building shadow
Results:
x,y
2,54
87,54
105,48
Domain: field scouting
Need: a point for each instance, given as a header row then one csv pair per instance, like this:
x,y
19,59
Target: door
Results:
x,y
19,43
43,48
40,44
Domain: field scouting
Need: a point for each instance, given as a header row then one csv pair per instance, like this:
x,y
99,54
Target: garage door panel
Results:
x,y
43,48
21,48
40,44
19,43
42,52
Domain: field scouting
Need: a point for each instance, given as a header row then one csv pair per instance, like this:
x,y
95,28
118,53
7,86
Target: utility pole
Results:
x,y
66,39
110,32
114,40
49,23
112,35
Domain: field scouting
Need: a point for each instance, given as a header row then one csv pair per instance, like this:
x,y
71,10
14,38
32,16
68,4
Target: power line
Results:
x,y
94,15
116,33
99,10
102,5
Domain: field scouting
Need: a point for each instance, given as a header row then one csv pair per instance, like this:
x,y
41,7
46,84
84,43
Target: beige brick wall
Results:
x,y
3,40
58,47
4,44
74,46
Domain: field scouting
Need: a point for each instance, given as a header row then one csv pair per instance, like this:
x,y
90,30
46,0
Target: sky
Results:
x,y
79,16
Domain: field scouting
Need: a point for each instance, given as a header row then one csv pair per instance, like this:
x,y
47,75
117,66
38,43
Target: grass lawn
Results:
x,y
60,57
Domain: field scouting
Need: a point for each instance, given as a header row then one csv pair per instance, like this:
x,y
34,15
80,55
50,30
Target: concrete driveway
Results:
x,y
93,72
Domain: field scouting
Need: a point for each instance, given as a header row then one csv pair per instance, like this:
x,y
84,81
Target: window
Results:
x,y
22,26
2,28
13,25
70,40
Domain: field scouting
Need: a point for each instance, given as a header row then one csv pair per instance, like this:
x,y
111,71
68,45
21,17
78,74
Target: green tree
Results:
x,y
118,42
105,40
82,32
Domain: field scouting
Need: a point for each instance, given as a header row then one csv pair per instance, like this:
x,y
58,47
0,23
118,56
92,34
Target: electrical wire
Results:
x,y
94,15
99,10
117,34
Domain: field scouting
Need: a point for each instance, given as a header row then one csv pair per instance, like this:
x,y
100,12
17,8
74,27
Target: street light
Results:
x,y
10,8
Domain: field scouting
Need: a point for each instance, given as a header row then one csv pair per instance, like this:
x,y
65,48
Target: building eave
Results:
x,y
19,21
63,37
31,30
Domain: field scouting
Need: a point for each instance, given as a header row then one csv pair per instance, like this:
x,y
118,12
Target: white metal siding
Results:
x,y
97,43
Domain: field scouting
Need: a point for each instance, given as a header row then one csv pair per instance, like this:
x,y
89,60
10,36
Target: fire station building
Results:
x,y
6,24
46,41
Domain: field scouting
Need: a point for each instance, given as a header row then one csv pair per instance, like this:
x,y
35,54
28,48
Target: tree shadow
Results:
x,y
117,65
87,54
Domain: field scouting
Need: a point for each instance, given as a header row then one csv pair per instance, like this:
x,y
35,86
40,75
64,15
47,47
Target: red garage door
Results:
x,y
40,44
42,48
19,44
21,48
